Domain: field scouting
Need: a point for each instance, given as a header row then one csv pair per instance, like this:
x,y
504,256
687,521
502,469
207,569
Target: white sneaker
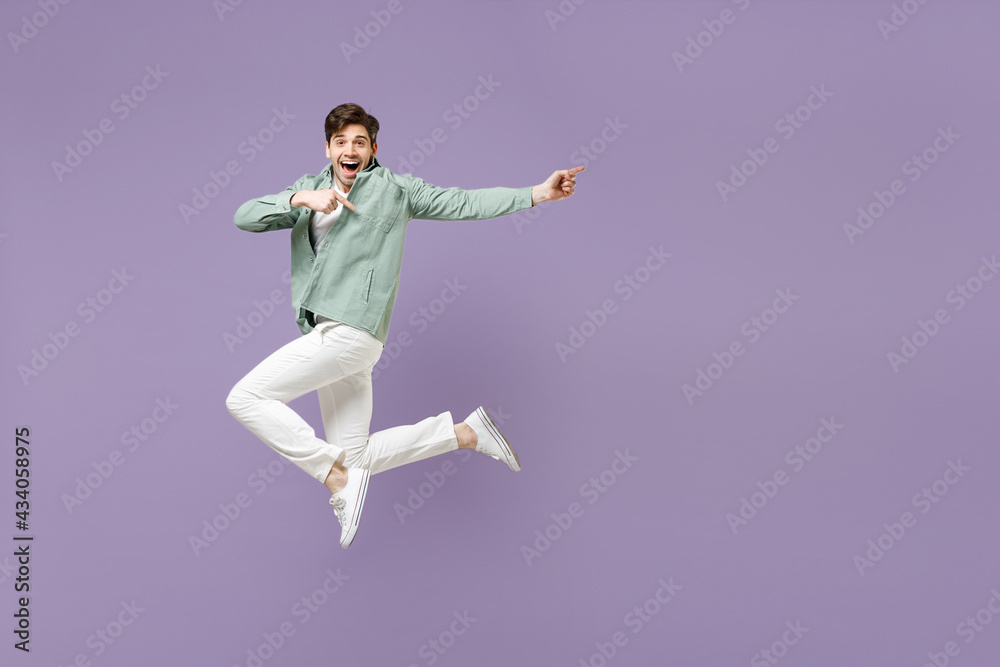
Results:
x,y
348,502
491,441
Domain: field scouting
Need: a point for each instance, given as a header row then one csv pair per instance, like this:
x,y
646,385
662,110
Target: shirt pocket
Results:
x,y
366,285
384,205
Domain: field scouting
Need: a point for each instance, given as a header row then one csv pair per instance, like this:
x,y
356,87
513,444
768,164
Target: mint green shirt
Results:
x,y
353,276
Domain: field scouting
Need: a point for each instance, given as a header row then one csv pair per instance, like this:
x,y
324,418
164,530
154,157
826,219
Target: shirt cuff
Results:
x,y
283,202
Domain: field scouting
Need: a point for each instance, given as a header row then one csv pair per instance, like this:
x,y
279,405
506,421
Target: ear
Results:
x,y
328,151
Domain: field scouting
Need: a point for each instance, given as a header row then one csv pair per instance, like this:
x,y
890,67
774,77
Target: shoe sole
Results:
x,y
505,446
356,519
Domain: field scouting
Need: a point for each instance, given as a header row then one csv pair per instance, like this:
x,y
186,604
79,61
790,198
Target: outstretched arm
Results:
x,y
559,185
429,202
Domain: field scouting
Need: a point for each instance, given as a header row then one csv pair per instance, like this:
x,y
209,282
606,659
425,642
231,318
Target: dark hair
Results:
x,y
349,114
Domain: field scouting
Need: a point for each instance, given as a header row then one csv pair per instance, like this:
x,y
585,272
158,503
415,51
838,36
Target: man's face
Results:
x,y
351,144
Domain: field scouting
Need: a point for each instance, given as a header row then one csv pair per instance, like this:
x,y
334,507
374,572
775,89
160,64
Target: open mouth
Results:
x,y
350,167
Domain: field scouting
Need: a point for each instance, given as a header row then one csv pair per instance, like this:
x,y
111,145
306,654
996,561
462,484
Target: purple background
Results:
x,y
528,281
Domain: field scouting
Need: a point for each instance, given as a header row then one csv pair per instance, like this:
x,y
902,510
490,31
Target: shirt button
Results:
x,y
303,236
310,259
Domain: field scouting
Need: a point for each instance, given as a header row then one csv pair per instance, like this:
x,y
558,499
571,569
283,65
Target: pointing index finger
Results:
x,y
343,199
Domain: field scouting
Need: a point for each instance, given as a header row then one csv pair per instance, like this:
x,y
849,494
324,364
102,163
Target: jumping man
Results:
x,y
347,227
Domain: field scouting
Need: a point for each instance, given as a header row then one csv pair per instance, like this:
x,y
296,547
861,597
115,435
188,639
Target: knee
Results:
x,y
238,400
357,457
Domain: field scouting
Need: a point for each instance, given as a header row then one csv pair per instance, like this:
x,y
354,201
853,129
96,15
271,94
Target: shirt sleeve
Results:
x,y
270,212
430,202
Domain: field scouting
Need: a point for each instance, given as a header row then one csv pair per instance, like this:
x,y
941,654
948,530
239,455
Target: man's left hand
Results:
x,y
558,186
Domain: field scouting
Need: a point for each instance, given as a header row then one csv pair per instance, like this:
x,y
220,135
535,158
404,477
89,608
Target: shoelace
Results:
x,y
339,504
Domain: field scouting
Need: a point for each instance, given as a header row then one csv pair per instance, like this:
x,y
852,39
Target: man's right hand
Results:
x,y
323,201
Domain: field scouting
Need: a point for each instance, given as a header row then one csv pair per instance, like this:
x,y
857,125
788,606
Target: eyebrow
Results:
x,y
359,136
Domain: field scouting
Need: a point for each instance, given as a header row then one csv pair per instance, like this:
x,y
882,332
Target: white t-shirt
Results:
x,y
319,225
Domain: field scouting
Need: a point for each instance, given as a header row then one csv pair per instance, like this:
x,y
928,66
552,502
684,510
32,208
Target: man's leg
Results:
x,y
344,432
346,406
258,400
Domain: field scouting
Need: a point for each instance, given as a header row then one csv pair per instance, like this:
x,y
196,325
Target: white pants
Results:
x,y
335,360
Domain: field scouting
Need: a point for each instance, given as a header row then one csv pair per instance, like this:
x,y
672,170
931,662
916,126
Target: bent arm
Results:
x,y
270,212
